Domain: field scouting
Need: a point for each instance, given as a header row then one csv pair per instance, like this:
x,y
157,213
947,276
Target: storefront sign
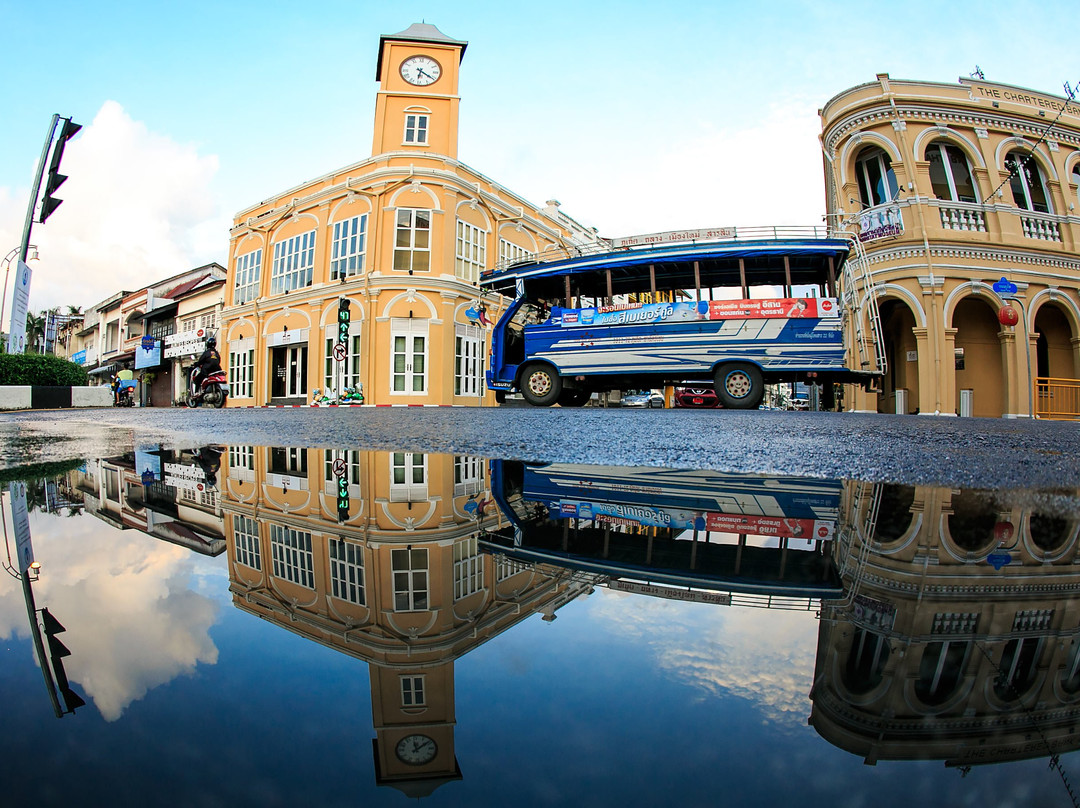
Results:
x,y
294,337
884,221
877,615
79,357
185,343
148,357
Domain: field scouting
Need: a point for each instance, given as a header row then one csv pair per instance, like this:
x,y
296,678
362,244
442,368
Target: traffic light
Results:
x,y
57,652
343,320
342,499
55,179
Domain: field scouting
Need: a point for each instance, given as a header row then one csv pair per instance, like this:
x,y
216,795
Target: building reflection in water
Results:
x,y
376,555
948,629
168,495
958,637
410,561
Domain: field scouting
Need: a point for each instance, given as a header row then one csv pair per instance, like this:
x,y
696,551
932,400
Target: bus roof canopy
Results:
x,y
808,261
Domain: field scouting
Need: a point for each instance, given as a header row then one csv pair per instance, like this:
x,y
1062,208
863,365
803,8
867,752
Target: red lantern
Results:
x,y
1007,315
1003,532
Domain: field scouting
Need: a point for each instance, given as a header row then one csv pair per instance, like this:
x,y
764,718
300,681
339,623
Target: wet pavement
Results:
x,y
984,453
538,607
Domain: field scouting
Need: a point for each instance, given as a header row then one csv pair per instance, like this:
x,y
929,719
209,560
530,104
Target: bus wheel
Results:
x,y
739,386
540,385
574,398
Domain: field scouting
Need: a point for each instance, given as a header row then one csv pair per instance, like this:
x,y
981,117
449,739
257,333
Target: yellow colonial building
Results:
x,y
367,276
376,555
963,197
959,636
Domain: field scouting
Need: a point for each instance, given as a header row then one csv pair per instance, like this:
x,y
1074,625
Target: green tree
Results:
x,y
35,331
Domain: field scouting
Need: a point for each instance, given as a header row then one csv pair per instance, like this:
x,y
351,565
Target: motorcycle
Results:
x,y
213,390
125,396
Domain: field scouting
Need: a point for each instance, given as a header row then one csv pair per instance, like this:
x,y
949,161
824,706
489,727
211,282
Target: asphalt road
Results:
x,y
962,453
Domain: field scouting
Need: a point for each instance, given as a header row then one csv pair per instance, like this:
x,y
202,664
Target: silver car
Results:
x,y
646,399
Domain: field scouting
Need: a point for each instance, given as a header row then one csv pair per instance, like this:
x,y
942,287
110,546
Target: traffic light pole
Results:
x,y
24,245
39,646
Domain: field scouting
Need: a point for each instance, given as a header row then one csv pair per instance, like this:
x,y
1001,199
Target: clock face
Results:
x,y
420,70
416,750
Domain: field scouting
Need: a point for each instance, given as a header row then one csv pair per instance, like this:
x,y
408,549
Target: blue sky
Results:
x,y
636,116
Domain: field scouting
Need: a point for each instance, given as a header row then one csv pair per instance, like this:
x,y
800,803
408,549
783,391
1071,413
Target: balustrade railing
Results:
x,y
1041,227
962,216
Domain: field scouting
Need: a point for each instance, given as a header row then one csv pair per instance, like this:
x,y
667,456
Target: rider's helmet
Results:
x,y
211,342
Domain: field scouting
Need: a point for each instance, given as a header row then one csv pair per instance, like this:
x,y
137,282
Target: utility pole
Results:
x,y
49,203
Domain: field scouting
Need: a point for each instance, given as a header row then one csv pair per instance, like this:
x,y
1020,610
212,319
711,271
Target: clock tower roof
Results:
x,y
417,32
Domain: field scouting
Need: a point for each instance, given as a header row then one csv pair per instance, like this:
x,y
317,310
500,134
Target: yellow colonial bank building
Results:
x,y
366,278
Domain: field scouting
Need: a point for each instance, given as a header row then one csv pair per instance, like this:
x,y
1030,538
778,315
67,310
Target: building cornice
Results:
x,y
880,111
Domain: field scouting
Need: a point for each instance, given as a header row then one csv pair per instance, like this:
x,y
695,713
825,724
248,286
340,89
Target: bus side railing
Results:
x,y
561,252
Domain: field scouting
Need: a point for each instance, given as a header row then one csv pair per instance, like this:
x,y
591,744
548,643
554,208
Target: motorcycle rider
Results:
x,y
124,379
208,362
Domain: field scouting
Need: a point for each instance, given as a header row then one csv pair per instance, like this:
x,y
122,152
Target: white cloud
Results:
x,y
133,623
661,175
138,207
761,655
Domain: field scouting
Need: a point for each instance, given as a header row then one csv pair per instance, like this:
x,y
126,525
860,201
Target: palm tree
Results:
x,y
35,330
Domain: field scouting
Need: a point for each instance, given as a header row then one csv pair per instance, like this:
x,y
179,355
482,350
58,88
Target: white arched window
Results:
x,y
1076,177
877,182
1026,181
950,174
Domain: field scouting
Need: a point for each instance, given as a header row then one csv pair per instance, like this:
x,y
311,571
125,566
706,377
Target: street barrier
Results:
x,y
1057,399
27,397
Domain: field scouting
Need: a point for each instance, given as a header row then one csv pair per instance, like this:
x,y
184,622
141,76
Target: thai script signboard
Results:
x,y
674,237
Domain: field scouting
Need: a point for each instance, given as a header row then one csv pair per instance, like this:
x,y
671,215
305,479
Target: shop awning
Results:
x,y
101,370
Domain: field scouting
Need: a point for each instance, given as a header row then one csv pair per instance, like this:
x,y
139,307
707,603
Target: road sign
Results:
x,y
339,467
20,305
1005,288
340,351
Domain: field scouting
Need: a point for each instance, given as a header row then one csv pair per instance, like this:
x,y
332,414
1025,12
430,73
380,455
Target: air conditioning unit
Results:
x,y
901,401
967,403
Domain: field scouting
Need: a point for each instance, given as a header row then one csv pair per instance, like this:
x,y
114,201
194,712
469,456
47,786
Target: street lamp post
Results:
x,y
32,256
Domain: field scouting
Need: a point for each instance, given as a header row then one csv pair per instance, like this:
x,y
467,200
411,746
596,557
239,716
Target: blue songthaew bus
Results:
x,y
736,312
702,529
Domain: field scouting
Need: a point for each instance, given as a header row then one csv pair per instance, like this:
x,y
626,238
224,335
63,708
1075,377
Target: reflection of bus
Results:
x,y
638,317
675,528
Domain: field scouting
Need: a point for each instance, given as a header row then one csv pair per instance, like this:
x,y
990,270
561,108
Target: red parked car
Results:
x,y
696,397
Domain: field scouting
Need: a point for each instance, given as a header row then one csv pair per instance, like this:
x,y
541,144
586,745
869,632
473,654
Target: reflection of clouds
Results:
x,y
763,655
132,620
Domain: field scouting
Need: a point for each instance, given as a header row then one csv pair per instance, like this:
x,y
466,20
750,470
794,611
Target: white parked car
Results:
x,y
646,399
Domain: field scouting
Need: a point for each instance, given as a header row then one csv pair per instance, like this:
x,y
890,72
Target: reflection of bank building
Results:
x,y
959,636
375,554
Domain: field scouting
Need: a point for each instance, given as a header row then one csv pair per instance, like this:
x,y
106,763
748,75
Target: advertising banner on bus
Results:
x,y
620,514
779,526
647,313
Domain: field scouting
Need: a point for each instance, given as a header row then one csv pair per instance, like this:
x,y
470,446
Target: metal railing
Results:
x,y
1057,399
858,294
561,252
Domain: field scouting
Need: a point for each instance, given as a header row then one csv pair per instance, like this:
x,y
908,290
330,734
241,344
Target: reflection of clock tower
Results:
x,y
413,714
417,105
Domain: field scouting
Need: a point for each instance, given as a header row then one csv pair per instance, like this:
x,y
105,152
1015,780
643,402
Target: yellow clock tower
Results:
x,y
417,105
